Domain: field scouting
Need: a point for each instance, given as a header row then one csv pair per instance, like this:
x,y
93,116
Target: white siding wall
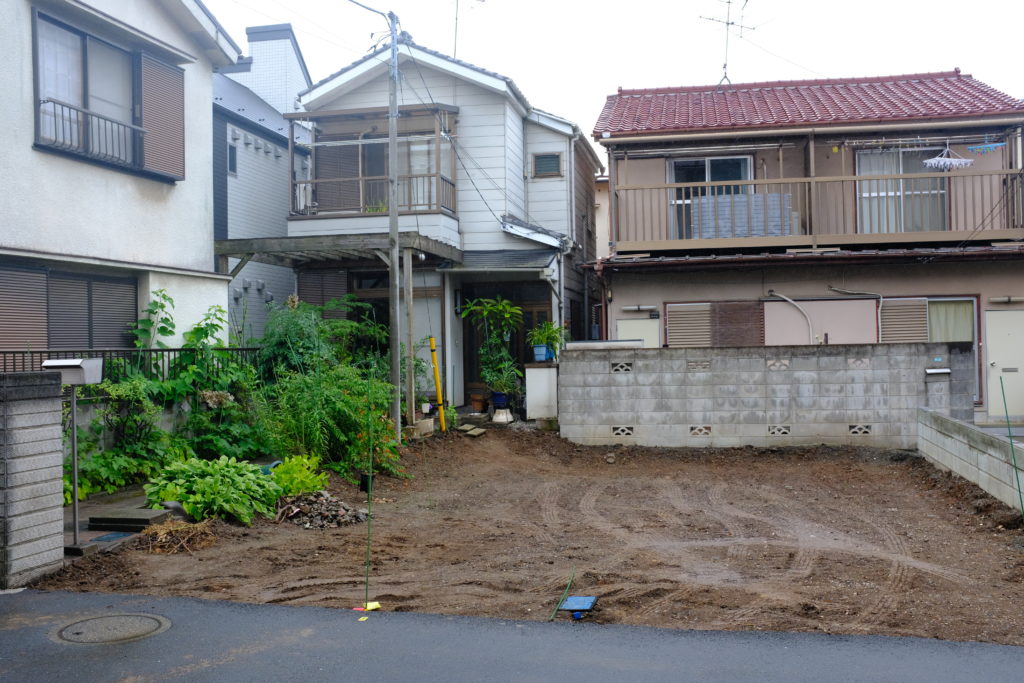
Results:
x,y
515,160
548,197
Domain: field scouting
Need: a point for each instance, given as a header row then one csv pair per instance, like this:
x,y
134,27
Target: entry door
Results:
x,y
1005,330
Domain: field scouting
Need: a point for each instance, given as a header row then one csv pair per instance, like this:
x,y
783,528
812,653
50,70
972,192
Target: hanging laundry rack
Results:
x,y
948,160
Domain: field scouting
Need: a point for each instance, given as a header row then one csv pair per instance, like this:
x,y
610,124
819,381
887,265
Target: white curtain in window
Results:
x,y
950,321
110,96
878,200
60,78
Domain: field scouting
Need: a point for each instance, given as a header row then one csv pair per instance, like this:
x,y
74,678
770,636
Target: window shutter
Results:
x,y
688,325
163,117
320,286
69,312
338,162
22,309
114,310
904,321
738,323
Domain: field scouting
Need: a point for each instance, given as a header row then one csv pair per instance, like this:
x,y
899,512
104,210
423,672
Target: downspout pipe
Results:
x,y
881,300
810,327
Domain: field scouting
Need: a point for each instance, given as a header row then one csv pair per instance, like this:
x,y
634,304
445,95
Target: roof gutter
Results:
x,y
816,130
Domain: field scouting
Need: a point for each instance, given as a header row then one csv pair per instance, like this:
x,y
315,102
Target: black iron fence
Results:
x,y
154,364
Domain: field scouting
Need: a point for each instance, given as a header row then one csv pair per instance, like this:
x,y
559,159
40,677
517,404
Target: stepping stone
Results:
x,y
466,428
127,519
476,432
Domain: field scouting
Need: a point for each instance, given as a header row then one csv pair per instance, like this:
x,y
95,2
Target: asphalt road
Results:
x,y
223,641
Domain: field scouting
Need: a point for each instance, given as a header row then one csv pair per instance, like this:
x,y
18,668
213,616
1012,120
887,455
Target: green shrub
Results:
x,y
299,474
335,414
224,488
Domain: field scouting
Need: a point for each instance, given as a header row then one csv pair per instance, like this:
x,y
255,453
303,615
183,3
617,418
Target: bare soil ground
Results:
x,y
842,540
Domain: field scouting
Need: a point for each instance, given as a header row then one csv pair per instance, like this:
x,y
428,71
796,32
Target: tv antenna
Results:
x,y
729,23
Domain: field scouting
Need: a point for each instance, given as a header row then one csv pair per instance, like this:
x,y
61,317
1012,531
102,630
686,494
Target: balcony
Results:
x,y
815,212
368,196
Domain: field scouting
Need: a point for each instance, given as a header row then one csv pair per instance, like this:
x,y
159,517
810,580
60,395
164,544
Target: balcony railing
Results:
x,y
79,131
965,201
368,195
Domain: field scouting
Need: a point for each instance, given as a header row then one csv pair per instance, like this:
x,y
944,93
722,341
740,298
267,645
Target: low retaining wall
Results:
x,y
980,458
31,469
760,396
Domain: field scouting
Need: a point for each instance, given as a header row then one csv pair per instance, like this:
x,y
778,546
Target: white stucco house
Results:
x,y
496,197
108,167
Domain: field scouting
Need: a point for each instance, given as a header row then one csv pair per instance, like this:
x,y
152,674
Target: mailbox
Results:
x,y
77,370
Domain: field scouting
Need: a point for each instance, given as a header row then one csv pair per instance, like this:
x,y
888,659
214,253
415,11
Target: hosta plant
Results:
x,y
224,488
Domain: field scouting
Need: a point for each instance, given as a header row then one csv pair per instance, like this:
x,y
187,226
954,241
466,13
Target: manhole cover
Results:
x,y
115,628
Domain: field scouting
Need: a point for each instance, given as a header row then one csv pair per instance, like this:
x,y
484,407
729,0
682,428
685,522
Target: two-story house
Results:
x,y
107,169
862,210
495,198
252,170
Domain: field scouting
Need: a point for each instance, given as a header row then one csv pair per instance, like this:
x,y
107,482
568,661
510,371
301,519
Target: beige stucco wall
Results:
x,y
981,280
58,205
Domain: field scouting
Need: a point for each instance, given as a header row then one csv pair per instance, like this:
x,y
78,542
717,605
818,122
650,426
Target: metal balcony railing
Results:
x,y
368,195
964,201
79,131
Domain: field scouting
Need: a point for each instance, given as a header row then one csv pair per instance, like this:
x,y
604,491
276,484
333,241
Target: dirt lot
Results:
x,y
840,540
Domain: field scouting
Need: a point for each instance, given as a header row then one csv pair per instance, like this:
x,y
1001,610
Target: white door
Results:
x,y
1005,355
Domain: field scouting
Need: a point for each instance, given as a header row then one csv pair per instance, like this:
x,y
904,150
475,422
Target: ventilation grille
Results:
x,y
688,325
622,367
779,430
860,430
904,321
622,430
700,430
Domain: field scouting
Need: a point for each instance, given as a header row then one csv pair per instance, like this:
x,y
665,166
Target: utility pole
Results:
x,y
394,330
396,348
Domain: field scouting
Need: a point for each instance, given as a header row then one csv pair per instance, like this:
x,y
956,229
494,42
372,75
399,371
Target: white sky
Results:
x,y
568,55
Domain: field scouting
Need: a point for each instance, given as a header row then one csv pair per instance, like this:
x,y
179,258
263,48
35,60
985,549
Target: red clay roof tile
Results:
x,y
948,94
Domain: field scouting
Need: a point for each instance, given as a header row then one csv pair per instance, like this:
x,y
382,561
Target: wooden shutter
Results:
x,y
163,117
114,309
334,163
688,325
737,323
320,286
68,298
22,309
904,321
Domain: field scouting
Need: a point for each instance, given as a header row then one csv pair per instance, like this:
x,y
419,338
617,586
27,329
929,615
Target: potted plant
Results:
x,y
547,339
496,319
500,374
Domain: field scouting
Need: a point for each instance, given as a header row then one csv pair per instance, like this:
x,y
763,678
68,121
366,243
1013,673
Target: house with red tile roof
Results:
x,y
840,211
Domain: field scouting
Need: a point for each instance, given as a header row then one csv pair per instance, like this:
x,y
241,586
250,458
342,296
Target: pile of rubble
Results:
x,y
318,510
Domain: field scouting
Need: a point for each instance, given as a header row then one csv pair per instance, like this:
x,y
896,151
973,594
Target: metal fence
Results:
x,y
154,364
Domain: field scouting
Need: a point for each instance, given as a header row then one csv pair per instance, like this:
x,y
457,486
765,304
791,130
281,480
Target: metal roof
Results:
x,y
526,259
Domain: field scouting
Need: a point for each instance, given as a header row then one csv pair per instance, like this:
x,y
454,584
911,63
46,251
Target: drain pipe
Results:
x,y
881,300
810,327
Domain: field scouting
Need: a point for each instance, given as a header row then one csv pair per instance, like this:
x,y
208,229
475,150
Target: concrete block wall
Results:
x,y
31,469
759,396
980,458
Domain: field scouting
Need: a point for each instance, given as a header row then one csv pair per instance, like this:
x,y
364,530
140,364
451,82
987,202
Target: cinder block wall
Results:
x,y
31,468
978,457
760,396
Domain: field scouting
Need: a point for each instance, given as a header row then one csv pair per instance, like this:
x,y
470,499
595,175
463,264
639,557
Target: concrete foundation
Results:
x,y
760,396
31,469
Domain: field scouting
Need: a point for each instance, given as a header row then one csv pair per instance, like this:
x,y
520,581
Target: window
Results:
x,y
233,159
547,165
109,105
899,204
697,210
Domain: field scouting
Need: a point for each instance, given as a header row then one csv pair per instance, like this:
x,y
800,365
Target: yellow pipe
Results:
x,y
437,384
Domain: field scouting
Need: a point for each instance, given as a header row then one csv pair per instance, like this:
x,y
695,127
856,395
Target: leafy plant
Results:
x,y
499,372
496,318
548,334
333,413
224,488
158,321
299,474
